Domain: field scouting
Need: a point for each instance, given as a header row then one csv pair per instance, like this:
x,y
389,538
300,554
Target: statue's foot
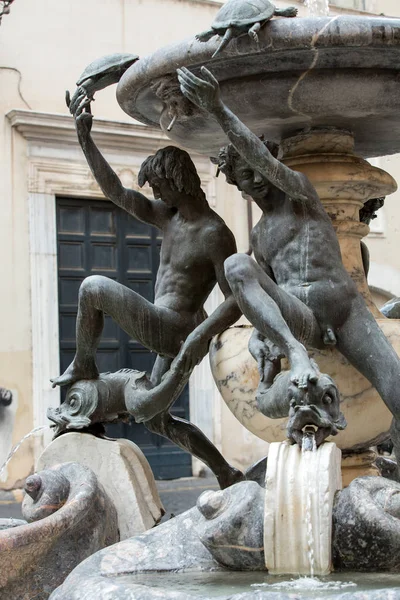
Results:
x,y
302,370
76,373
229,477
329,337
253,36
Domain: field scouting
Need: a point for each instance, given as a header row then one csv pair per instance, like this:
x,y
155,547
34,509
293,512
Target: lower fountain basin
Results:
x,y
260,586
303,73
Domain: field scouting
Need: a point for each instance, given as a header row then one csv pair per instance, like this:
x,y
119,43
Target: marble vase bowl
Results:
x,y
69,516
236,375
303,73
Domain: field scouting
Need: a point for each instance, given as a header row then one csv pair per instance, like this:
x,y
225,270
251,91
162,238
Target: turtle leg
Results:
x,y
229,34
205,35
291,11
253,31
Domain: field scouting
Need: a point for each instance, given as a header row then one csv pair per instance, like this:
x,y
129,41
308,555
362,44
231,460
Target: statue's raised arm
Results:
x,y
154,212
205,93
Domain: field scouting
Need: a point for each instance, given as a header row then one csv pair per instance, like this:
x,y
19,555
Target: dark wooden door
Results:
x,y
98,238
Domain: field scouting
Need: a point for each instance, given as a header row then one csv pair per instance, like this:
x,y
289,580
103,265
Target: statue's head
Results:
x,y
370,208
239,173
318,407
171,174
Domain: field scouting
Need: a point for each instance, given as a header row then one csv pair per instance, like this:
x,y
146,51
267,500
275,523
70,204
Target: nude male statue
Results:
x,y
195,244
297,293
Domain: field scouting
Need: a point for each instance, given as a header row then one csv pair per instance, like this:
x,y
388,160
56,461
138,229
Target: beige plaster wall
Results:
x,y
385,248
51,43
387,7
15,338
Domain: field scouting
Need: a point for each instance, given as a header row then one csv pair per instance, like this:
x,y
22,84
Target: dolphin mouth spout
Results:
x,y
307,423
310,428
309,439
59,421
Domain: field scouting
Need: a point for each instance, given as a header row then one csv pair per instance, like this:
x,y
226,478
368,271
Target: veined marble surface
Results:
x,y
236,375
123,470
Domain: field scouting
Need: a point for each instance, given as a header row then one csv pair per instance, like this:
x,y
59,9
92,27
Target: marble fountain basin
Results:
x,y
341,72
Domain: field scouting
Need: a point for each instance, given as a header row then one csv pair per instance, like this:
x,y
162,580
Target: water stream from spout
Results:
x,y
17,446
308,447
317,8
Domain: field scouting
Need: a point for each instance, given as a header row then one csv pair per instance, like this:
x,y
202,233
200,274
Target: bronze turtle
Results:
x,y
101,73
238,17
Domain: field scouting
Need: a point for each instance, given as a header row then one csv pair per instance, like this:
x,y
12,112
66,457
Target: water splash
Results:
x,y
317,8
17,446
309,443
307,584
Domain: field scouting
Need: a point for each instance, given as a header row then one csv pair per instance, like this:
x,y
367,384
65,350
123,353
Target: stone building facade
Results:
x,y
44,47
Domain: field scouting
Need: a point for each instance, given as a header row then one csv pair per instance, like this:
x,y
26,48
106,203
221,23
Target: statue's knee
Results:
x,y
238,268
90,286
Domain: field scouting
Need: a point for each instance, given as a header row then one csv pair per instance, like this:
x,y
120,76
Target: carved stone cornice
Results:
x,y
58,168
54,128
60,178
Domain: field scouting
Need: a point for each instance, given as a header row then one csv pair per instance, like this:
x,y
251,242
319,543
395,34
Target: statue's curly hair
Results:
x,y
368,211
228,157
175,165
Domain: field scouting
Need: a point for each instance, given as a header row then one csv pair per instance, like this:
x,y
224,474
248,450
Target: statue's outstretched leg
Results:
x,y
277,315
365,346
158,329
191,439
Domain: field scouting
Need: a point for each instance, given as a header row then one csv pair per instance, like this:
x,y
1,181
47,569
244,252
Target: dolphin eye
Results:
x,y
74,403
328,399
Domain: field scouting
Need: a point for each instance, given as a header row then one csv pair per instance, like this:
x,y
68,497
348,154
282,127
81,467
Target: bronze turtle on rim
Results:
x,y
238,17
101,73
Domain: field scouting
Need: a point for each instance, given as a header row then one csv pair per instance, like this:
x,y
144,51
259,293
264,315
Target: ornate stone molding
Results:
x,y
59,167
55,177
56,129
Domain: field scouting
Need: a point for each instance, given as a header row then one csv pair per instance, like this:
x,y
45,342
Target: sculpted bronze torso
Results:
x,y
302,269
184,279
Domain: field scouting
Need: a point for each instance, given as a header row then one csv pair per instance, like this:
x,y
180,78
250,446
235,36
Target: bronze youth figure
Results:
x,y
298,293
196,242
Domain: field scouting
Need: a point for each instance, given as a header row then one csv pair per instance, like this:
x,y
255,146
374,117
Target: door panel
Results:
x,y
98,238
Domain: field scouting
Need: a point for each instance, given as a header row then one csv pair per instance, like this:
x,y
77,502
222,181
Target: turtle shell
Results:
x,y
240,13
107,64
